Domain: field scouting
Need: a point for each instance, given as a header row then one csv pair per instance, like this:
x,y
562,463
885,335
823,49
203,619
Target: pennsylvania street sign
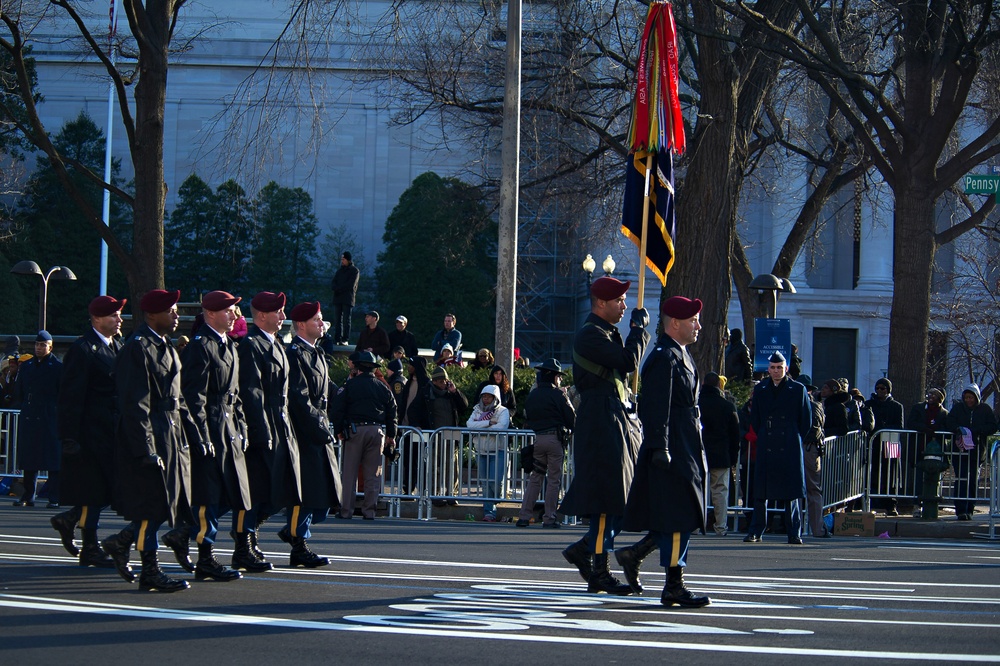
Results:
x,y
982,184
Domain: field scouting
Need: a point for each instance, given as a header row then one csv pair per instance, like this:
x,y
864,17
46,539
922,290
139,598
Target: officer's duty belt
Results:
x,y
547,431
367,423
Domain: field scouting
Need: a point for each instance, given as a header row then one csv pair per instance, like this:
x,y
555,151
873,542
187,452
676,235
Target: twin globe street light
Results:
x,y
589,265
54,273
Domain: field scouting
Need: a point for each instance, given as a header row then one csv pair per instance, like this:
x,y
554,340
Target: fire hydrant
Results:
x,y
933,462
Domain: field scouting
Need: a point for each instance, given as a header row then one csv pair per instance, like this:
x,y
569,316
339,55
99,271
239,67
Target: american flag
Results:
x,y
891,449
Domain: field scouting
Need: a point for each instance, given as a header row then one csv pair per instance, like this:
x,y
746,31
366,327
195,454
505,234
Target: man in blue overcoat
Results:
x,y
781,416
36,391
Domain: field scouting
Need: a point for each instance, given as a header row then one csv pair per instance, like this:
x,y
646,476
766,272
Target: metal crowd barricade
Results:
x,y
994,464
899,477
8,441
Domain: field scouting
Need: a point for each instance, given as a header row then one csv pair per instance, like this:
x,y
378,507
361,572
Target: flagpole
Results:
x,y
642,256
106,208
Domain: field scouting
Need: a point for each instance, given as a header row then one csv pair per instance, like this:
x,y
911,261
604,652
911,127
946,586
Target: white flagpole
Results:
x,y
106,211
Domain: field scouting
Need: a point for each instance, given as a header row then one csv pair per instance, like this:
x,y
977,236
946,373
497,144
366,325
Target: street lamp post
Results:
x,y
54,273
767,287
608,266
588,266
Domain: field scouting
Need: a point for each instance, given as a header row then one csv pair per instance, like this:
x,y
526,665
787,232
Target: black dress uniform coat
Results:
x,y
308,380
88,409
37,391
273,456
210,381
607,438
672,499
781,417
148,381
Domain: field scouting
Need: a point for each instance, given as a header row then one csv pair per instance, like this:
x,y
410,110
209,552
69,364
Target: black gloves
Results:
x,y
151,460
639,318
661,459
70,447
206,449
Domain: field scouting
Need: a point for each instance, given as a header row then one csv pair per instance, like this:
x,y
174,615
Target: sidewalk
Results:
x,y
902,527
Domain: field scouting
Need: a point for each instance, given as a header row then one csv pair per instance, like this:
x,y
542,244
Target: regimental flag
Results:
x,y
662,220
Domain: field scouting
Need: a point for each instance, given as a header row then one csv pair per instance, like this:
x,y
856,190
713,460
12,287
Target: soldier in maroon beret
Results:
x,y
217,434
308,391
607,430
271,456
153,463
86,409
667,498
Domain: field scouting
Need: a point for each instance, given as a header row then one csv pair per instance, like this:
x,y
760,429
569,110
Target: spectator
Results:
x,y
927,418
972,422
748,457
8,376
448,335
491,450
239,327
412,411
781,417
887,414
549,413
721,437
38,448
401,337
345,291
498,377
373,337
445,405
399,354
795,364
867,417
842,414
812,455
484,359
447,357
739,363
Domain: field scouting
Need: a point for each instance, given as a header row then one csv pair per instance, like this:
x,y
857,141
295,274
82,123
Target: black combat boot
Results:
x,y
92,555
301,556
152,577
601,579
179,541
65,524
630,559
243,556
674,593
118,546
579,556
209,567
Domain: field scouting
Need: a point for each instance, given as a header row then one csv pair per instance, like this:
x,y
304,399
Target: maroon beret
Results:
x,y
304,311
268,301
678,307
608,288
214,301
102,306
159,300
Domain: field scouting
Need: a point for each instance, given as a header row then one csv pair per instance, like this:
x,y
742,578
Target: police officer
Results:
x,y
607,431
550,414
308,384
364,417
153,464
87,410
264,394
668,495
216,431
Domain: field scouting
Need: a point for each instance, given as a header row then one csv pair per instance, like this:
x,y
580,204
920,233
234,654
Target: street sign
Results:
x,y
772,335
982,184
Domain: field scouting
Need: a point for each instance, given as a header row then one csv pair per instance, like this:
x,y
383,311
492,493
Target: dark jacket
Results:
x,y
459,403
842,414
738,363
364,399
209,382
345,284
671,499
153,413
888,413
37,391
308,383
88,410
980,420
720,428
403,339
781,417
375,339
607,438
547,407
272,456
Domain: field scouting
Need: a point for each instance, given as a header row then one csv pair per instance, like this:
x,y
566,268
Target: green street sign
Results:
x,y
982,184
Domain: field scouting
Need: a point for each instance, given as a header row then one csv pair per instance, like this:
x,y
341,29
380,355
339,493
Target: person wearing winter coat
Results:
x,y
972,422
491,450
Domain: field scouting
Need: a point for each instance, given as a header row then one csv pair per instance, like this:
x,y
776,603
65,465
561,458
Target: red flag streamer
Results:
x,y
657,122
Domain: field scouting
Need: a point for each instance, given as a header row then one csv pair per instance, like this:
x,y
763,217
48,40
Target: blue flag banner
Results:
x,y
771,335
662,223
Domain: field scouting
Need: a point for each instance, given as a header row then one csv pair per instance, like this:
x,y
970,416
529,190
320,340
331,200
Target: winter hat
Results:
x,y
973,388
884,382
439,373
493,390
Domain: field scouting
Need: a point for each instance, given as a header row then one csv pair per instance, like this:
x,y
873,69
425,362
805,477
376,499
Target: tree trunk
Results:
x,y
914,247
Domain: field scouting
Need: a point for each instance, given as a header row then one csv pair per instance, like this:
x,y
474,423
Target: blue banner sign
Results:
x,y
771,335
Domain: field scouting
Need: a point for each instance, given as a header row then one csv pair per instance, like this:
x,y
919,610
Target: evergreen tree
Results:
x,y
187,237
285,253
440,257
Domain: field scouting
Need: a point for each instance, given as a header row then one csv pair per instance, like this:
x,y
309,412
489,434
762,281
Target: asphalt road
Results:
x,y
400,591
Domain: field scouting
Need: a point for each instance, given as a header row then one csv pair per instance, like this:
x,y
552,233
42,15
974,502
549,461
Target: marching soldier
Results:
x,y
216,432
308,383
86,412
153,464
271,453
364,416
